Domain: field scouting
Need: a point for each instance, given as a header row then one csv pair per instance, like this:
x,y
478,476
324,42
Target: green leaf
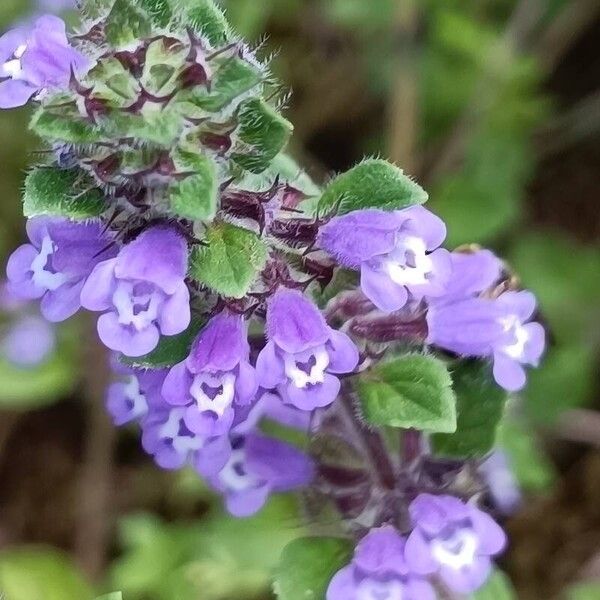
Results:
x,y
171,350
38,573
480,406
232,78
263,133
374,183
126,23
307,566
113,596
159,10
64,192
497,587
64,126
230,261
205,17
195,197
161,127
411,391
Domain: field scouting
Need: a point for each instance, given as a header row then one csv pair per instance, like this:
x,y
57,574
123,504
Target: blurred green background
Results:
x,y
494,106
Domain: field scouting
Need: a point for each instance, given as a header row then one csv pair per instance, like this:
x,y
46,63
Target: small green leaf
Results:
x,y
307,566
65,126
232,78
497,587
411,391
171,350
38,573
230,260
195,197
372,184
64,192
160,127
159,10
164,61
126,23
263,133
480,406
205,17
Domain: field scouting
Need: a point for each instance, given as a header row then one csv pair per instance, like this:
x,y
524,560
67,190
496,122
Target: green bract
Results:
x,y
372,184
307,566
411,391
59,192
230,260
480,406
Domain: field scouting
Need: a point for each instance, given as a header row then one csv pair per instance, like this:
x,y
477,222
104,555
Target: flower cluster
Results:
x,y
403,268
205,413
450,539
168,209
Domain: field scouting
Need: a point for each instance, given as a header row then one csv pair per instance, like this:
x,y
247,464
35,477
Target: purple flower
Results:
x,y
453,539
28,342
54,265
168,439
215,378
379,571
143,292
469,324
303,353
36,58
259,466
131,398
502,484
396,252
522,342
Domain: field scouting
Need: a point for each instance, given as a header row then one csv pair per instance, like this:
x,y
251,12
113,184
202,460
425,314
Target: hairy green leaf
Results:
x,y
62,192
410,391
232,78
480,406
126,23
230,260
307,566
263,134
195,197
205,17
374,183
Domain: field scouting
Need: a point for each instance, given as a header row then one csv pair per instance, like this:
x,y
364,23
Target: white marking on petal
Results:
x,y
182,444
138,399
139,310
13,68
235,476
514,326
41,277
456,551
316,374
221,400
371,589
408,263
